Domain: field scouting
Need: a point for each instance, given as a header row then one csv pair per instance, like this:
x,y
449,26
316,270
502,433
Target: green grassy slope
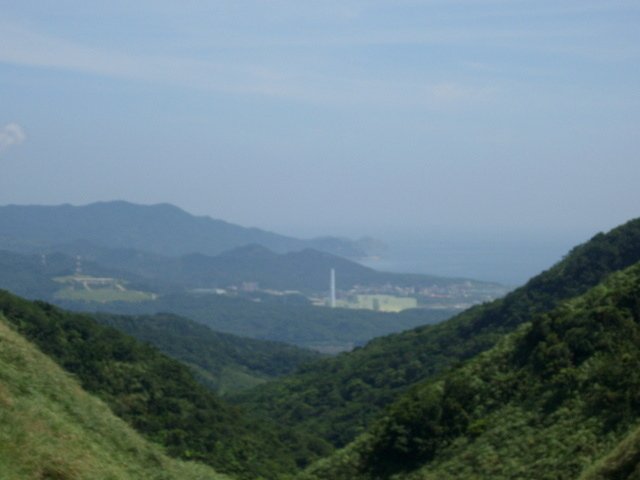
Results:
x,y
338,398
50,428
156,395
621,463
226,363
548,402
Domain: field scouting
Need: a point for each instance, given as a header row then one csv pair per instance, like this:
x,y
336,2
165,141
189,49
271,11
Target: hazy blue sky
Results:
x,y
328,116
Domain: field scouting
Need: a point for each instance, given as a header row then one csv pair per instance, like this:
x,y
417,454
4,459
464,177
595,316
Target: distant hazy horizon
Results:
x,y
509,262
508,256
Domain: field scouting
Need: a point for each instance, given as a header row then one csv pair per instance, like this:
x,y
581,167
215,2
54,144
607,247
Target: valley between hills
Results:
x,y
210,359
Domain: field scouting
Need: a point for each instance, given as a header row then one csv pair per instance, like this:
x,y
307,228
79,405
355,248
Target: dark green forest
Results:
x,y
339,397
158,396
545,403
225,363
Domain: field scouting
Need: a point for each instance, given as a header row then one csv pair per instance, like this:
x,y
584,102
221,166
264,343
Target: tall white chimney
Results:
x,y
333,288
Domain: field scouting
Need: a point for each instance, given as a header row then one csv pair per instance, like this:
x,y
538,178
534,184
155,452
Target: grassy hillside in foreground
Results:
x,y
621,463
158,396
225,363
338,398
548,402
50,428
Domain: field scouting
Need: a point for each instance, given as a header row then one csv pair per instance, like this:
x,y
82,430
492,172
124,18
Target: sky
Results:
x,y
329,117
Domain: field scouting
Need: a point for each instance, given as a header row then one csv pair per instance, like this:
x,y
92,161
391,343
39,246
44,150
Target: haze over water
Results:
x,y
509,261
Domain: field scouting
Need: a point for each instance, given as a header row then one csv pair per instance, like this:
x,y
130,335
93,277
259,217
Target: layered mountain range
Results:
x,y
162,229
541,384
118,257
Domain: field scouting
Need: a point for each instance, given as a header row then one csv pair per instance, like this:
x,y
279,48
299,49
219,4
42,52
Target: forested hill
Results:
x,y
50,428
338,398
225,363
548,402
163,229
158,396
306,270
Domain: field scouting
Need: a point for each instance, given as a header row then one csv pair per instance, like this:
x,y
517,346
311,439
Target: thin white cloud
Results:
x,y
23,46
11,135
209,62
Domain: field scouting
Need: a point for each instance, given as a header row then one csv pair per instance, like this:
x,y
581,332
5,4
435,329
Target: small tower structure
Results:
x,y
78,266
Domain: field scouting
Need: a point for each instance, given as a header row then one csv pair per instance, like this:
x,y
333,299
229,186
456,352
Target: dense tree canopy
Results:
x,y
339,397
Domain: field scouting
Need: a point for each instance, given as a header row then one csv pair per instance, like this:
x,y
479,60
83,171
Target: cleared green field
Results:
x,y
382,303
103,295
101,290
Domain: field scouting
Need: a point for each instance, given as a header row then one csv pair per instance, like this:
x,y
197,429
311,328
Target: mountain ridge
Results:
x,y
542,384
562,389
286,318
338,397
160,228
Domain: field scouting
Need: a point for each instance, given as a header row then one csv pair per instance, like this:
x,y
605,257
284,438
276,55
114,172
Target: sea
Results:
x,y
506,259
